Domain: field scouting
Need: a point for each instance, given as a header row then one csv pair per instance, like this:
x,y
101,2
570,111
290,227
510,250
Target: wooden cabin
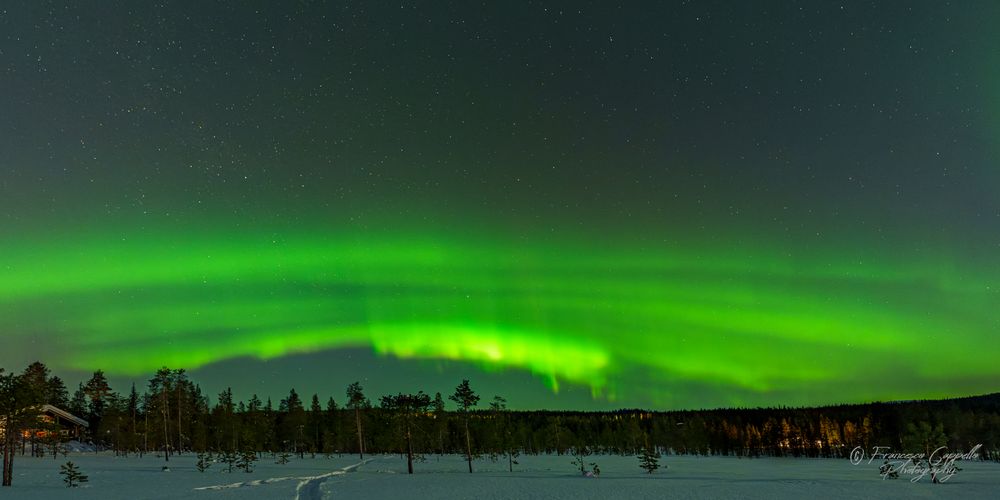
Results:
x,y
51,420
70,426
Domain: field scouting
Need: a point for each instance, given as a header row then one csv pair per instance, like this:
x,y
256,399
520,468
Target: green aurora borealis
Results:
x,y
666,206
754,322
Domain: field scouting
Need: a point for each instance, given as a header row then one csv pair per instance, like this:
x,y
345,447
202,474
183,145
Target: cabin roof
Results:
x,y
65,415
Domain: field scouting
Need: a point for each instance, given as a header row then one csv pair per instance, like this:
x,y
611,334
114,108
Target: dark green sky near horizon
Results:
x,y
580,205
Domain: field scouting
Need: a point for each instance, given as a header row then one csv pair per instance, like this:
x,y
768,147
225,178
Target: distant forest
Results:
x,y
171,415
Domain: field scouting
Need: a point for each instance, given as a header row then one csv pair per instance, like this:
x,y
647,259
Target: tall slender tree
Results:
x,y
315,424
133,410
293,422
466,399
357,401
440,420
225,421
160,387
180,381
505,443
331,427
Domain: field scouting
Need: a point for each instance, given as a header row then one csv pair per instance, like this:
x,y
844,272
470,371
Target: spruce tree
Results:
x,y
246,460
97,391
204,461
314,423
78,404
649,459
580,454
229,458
71,475
331,428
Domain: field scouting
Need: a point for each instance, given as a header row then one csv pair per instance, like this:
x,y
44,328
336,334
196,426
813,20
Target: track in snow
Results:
x,y
308,488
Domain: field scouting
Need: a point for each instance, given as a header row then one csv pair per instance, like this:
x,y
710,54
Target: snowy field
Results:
x,y
541,477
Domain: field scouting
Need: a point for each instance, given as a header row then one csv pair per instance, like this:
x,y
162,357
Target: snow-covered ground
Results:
x,y
541,477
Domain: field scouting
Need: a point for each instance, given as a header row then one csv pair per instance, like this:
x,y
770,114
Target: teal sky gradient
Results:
x,y
580,204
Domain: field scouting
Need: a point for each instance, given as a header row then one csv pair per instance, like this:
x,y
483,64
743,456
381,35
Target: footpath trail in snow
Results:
x,y
308,488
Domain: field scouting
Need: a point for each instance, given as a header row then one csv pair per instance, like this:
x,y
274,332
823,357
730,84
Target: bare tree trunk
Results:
x,y
468,444
180,444
166,418
409,450
8,454
361,444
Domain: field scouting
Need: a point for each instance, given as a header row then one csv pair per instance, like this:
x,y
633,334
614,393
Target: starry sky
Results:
x,y
576,204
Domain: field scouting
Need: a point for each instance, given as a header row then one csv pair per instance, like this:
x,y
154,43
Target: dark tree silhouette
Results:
x,y
406,409
649,459
72,475
18,411
504,439
357,401
466,400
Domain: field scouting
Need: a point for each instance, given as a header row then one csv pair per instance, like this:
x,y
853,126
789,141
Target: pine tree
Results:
x,y
293,422
314,422
229,458
36,378
246,460
71,475
18,411
224,415
78,404
57,395
407,408
466,399
356,400
97,391
505,442
204,461
283,458
649,459
160,387
580,454
331,428
441,420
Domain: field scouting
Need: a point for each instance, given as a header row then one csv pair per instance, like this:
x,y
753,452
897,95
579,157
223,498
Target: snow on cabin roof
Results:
x,y
65,415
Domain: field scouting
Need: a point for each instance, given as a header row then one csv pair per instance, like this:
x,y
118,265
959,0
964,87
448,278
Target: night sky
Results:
x,y
574,204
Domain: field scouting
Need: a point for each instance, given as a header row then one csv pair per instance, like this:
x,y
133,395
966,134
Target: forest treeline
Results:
x,y
172,415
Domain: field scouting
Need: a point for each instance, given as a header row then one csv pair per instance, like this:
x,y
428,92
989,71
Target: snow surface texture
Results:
x,y
541,477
